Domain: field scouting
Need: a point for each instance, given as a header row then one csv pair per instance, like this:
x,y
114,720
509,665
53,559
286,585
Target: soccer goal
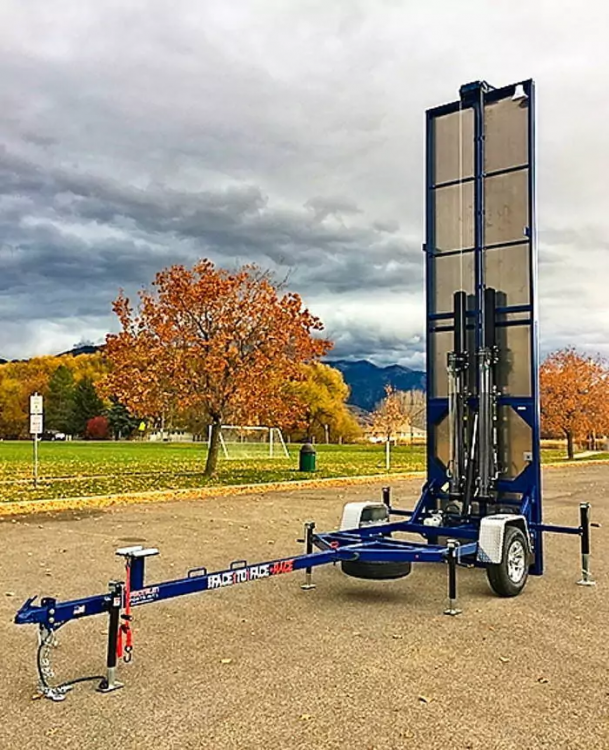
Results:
x,y
238,441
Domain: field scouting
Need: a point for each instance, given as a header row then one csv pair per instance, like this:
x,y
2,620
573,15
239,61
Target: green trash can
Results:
x,y
308,458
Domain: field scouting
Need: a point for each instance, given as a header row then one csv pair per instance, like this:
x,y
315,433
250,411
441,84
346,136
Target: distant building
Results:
x,y
406,434
177,436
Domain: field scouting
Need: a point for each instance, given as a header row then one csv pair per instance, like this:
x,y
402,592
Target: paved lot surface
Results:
x,y
344,666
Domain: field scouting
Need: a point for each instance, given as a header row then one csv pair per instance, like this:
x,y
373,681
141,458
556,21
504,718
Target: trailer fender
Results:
x,y
492,533
367,513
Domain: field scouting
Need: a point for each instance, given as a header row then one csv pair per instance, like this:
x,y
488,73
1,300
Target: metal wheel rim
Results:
x,y
516,561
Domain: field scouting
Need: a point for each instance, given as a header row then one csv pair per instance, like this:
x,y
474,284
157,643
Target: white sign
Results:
x,y
35,424
35,404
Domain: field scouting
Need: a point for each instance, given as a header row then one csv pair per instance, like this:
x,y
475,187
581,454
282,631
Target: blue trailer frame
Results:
x,y
432,518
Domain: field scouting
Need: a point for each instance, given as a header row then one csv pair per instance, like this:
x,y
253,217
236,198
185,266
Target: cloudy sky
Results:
x,y
139,133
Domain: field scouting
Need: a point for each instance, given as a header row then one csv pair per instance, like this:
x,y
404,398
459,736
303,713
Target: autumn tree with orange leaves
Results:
x,y
574,396
388,418
224,344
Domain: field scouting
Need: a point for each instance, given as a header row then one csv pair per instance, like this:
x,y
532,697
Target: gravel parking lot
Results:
x,y
352,664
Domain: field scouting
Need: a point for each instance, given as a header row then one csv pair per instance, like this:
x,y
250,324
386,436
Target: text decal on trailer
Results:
x,y
251,573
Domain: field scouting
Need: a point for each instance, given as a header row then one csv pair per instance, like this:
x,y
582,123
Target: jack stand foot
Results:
x,y
307,586
452,610
586,579
105,687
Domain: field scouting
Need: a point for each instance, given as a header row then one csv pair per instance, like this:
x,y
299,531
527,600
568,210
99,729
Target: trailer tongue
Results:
x,y
481,504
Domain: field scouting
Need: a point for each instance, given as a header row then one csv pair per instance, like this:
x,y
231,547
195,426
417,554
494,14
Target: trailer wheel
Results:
x,y
509,577
375,571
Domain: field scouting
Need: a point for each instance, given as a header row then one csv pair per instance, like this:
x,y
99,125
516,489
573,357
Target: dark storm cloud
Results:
x,y
136,135
236,223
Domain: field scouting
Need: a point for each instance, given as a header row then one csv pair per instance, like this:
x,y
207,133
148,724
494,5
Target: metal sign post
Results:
x,y
36,426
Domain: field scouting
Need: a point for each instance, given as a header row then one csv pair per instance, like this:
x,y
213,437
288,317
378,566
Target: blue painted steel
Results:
x,y
53,614
137,572
536,510
476,91
430,233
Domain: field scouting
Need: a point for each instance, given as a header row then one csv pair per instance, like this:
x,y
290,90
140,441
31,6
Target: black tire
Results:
x,y
509,577
375,571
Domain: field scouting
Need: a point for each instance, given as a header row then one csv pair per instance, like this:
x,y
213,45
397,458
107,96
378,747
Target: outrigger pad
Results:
x,y
376,571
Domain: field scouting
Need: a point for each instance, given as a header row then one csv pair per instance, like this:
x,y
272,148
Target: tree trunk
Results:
x,y
388,454
569,445
212,451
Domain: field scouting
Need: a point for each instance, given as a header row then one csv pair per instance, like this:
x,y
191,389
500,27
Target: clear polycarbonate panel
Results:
x,y
506,207
515,441
452,273
507,270
442,435
454,146
441,343
454,219
514,368
506,136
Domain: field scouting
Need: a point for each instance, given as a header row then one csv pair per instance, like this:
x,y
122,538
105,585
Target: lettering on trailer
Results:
x,y
144,595
250,573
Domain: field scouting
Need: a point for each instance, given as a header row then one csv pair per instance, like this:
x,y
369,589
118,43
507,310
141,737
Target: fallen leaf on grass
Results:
x,y
52,731
424,699
305,717
504,659
225,661
397,636
543,680
9,593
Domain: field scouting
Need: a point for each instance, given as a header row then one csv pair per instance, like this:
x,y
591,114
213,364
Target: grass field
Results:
x,y
99,468
80,469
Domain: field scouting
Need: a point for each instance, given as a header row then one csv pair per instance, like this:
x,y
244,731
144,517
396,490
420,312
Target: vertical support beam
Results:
x,y
453,547
110,683
584,526
536,493
309,529
135,570
478,107
387,496
429,248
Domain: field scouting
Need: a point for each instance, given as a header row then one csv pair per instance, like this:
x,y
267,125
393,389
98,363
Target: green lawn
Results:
x,y
99,468
78,469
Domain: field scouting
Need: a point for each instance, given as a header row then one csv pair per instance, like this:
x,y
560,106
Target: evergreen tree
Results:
x,y
121,421
59,403
87,404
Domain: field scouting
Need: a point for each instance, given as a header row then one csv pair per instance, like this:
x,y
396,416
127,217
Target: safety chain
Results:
x,y
47,641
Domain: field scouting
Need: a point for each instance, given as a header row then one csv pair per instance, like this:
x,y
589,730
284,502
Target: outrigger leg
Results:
x,y
309,529
584,522
453,551
110,683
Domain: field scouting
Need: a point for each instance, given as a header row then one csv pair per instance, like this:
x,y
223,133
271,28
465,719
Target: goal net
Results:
x,y
238,441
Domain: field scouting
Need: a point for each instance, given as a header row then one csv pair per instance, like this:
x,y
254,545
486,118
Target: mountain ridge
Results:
x,y
367,381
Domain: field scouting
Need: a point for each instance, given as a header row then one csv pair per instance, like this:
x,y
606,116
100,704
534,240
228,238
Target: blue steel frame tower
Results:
x,y
480,235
